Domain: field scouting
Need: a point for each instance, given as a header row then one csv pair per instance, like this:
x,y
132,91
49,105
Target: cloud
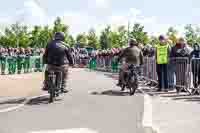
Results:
x,y
79,21
82,21
134,11
102,3
133,16
31,13
98,4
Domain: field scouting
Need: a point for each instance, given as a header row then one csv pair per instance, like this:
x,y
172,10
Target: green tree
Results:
x,y
45,36
71,41
191,34
9,39
92,39
23,36
59,26
119,37
35,36
122,36
115,38
172,33
16,35
82,39
153,40
105,38
139,34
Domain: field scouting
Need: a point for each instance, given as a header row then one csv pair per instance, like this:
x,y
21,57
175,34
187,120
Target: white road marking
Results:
x,y
20,105
11,108
148,112
147,120
73,130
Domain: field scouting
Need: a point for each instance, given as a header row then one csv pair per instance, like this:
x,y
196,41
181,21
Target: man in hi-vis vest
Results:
x,y
162,60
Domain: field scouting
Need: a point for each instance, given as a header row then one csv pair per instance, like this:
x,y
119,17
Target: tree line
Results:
x,y
19,35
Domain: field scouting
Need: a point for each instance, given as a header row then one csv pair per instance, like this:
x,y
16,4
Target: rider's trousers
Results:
x,y
121,72
63,69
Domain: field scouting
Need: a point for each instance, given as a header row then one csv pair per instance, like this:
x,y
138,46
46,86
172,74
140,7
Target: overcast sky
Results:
x,y
80,15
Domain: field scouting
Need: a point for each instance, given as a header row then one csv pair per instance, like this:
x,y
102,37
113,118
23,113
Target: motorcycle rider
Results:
x,y
132,55
57,57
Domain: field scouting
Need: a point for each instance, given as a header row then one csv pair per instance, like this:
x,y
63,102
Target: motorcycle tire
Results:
x,y
52,95
134,86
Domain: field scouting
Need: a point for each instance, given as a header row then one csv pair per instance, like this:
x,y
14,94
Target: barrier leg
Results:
x,y
10,66
14,66
19,66
3,66
94,64
37,65
27,65
90,65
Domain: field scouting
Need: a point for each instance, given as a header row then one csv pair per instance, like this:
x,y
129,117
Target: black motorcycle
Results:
x,y
54,84
131,79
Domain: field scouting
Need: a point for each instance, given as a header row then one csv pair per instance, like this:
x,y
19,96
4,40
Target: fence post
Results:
x,y
38,64
3,65
20,64
27,64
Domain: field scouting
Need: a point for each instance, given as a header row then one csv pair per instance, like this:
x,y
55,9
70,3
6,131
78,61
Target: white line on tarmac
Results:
x,y
11,108
147,120
74,130
20,105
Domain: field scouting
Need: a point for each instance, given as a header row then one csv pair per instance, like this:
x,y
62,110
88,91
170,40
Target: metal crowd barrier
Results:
x,y
149,69
183,73
81,62
13,65
179,74
106,63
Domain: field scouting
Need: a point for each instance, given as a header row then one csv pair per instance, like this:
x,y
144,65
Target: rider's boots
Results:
x,y
119,83
63,90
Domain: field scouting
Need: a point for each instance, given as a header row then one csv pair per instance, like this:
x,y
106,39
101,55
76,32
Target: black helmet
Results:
x,y
196,47
59,36
132,42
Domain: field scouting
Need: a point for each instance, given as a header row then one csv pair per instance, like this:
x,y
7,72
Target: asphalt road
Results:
x,y
94,103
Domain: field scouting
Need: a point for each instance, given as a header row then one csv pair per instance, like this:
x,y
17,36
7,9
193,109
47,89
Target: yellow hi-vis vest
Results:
x,y
162,54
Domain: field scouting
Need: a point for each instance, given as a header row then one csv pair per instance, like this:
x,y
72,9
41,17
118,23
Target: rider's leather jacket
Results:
x,y
133,55
57,54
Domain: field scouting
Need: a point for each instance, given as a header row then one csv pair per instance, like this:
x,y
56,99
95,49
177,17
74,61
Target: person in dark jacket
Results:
x,y
3,57
180,59
20,60
57,56
28,55
194,56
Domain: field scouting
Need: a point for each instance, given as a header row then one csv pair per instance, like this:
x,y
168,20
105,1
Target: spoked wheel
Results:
x,y
52,95
52,90
123,87
133,89
134,86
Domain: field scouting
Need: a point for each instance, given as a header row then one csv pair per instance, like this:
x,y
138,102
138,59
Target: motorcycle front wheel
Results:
x,y
133,86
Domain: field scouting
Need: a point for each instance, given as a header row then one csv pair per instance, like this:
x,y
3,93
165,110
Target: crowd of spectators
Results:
x,y
9,51
181,57
105,58
16,59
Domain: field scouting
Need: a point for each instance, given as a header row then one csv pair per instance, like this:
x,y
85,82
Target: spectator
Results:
x,y
181,52
162,57
20,60
195,66
4,54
